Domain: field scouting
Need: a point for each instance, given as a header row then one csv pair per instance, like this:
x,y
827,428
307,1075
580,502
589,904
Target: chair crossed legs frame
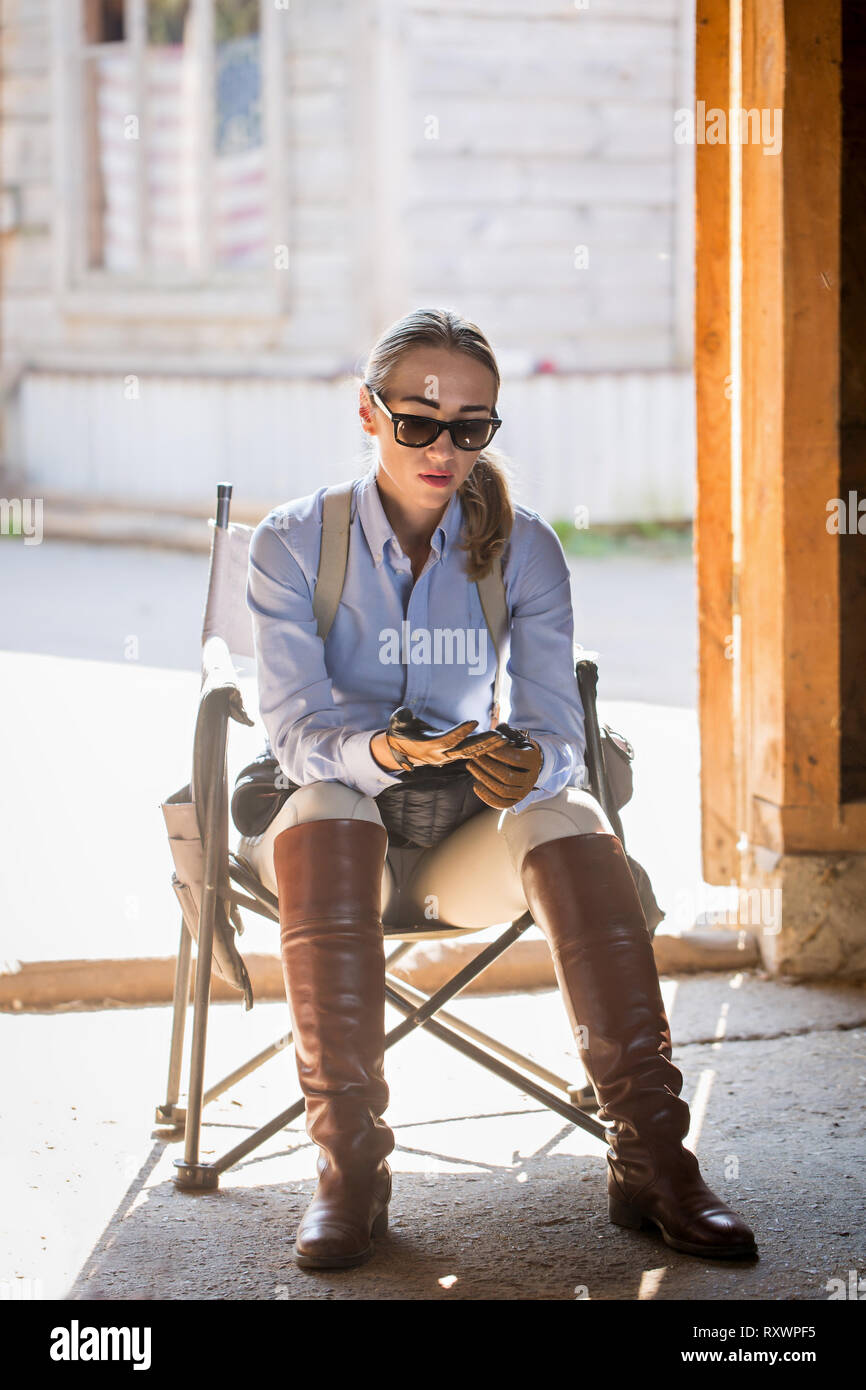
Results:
x,y
230,883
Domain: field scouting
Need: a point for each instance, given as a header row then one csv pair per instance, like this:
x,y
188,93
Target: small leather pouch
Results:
x,y
261,788
428,803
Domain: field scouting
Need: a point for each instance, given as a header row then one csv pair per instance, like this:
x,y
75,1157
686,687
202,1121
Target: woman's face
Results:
x,y
440,384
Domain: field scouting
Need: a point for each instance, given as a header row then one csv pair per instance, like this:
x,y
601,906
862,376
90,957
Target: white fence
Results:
x,y
621,445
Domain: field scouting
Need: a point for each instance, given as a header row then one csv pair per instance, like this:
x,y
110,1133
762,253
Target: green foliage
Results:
x,y
233,19
648,538
166,20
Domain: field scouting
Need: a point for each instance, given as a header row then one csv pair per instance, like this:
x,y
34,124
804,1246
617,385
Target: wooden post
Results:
x,y
714,395
781,742
790,371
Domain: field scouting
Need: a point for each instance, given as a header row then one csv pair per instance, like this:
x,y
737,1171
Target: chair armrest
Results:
x,y
220,700
586,673
218,675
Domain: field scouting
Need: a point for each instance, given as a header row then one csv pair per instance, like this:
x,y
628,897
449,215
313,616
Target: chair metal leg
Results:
x,y
460,980
168,1113
399,950
272,1050
500,1049
191,1174
500,1069
434,1002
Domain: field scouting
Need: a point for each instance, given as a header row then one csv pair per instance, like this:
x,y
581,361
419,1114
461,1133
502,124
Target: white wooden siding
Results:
x,y
555,130
619,444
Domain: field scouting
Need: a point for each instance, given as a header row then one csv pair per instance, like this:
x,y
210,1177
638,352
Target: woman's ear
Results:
x,y
365,410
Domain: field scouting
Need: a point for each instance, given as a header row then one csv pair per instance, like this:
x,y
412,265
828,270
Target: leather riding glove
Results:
x,y
414,741
505,773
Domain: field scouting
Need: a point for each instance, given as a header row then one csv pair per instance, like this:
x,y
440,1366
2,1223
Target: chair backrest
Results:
x,y
226,613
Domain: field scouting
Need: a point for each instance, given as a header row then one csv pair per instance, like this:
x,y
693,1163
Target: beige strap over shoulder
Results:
x,y
491,592
334,555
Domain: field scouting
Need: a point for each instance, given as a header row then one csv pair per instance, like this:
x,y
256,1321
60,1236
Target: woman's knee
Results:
x,y
337,801
572,811
316,801
328,801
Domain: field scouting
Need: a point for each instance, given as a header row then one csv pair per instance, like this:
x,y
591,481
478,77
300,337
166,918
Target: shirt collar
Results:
x,y
378,529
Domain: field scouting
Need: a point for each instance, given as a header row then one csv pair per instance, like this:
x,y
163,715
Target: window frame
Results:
x,y
261,292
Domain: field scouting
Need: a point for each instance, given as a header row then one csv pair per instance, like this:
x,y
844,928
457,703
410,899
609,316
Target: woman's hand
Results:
x,y
506,772
413,741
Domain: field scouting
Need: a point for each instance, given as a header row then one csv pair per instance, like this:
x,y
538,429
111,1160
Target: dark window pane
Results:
x,y
103,21
110,187
239,164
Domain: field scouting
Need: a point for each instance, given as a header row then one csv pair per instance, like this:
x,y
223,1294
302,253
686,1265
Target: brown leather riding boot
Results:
x,y
581,894
329,877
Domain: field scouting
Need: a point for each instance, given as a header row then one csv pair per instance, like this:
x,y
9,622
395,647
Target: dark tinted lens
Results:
x,y
416,431
473,434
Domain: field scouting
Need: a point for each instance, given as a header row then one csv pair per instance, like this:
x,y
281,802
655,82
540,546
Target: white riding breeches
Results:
x,y
470,880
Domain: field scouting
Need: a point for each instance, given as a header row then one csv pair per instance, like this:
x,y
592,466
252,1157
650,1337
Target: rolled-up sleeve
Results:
x,y
304,724
545,699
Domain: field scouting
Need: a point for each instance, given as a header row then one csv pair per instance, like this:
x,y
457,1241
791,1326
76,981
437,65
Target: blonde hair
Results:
x,y
485,494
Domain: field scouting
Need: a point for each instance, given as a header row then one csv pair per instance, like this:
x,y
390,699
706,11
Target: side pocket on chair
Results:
x,y
651,909
188,907
186,847
618,755
188,854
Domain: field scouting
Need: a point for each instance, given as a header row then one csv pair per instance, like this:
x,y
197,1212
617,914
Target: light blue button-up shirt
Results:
x,y
398,641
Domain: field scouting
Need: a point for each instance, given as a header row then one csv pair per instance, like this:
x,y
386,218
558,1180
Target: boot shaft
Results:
x,y
582,896
329,876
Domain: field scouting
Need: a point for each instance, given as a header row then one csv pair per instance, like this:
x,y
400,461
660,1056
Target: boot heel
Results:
x,y
380,1225
622,1214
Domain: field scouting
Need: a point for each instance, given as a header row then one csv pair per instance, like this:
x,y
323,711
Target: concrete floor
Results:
x,y
495,1197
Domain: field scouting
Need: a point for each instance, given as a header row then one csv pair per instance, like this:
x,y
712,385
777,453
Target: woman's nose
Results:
x,y
442,451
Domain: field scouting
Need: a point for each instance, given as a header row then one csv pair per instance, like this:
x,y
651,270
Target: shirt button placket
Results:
x,y
418,676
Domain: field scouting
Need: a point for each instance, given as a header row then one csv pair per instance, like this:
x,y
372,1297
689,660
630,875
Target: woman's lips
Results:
x,y
436,479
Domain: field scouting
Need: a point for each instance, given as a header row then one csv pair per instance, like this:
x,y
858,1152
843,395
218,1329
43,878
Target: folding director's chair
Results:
x,y
212,884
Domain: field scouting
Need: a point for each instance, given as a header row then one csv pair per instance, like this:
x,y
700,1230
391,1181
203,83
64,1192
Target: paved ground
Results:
x,y
494,1196
636,606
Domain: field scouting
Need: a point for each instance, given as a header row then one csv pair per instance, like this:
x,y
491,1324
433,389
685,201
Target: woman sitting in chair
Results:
x,y
427,520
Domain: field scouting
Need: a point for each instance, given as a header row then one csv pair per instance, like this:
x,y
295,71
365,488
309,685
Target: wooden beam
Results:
x,y
852,405
790,383
810,829
96,984
713,388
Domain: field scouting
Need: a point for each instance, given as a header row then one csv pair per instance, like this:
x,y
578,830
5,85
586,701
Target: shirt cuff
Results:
x,y
556,768
364,772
